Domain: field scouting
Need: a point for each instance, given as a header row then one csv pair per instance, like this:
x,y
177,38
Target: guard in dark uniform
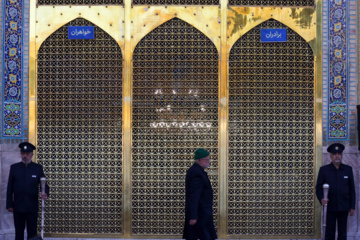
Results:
x,y
23,192
199,223
341,194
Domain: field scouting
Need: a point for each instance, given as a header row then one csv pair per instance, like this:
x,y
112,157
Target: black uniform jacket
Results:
x,y
341,187
198,204
23,187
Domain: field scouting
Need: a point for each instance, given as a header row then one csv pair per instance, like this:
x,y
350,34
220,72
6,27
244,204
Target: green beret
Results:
x,y
201,153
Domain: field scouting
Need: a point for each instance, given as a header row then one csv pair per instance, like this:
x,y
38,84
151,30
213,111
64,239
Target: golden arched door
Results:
x,y
175,111
117,118
79,134
271,135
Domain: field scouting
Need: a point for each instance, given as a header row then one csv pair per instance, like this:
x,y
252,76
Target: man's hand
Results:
x,y
193,221
351,212
324,201
10,209
44,196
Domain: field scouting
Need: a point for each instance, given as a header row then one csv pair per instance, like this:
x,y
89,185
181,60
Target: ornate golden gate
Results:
x,y
271,135
175,110
79,131
117,118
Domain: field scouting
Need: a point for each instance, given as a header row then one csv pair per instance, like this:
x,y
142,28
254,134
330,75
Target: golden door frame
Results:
x,y
128,24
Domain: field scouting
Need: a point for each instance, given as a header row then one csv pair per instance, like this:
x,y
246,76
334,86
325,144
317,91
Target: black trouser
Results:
x,y
331,218
30,219
204,228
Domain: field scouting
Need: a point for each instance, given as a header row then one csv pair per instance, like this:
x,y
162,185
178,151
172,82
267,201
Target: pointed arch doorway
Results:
x,y
271,135
175,111
79,134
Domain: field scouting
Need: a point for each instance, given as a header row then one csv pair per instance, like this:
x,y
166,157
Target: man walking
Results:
x,y
341,197
199,223
23,192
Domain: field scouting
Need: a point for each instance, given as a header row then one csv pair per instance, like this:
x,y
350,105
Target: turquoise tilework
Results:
x,y
338,70
12,69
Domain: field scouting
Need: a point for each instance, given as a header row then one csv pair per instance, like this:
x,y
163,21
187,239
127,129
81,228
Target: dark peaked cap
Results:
x,y
26,147
336,148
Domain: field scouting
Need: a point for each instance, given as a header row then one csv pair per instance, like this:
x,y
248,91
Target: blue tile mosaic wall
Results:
x,y
338,108
12,69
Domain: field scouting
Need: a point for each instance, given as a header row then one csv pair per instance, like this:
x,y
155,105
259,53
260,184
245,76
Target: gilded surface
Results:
x,y
302,3
109,18
79,131
150,186
271,135
204,18
242,19
175,111
79,2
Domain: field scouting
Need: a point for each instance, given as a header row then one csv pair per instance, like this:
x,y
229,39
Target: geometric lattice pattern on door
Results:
x,y
302,3
175,111
80,2
79,131
271,135
181,2
177,2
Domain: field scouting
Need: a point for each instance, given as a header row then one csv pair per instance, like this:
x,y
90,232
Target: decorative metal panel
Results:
x,y
302,3
177,2
175,111
271,136
79,2
79,131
